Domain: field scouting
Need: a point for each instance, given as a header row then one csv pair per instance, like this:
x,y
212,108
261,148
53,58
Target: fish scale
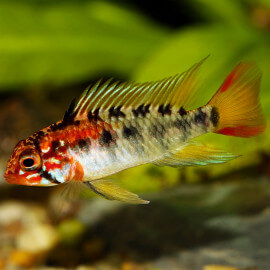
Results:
x,y
139,145
115,126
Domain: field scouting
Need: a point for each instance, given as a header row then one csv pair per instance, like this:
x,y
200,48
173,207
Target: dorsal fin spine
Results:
x,y
120,89
91,92
131,99
166,83
98,96
140,99
175,91
168,93
109,88
126,87
152,97
107,103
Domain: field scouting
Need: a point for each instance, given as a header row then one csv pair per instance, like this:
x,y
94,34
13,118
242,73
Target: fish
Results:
x,y
118,125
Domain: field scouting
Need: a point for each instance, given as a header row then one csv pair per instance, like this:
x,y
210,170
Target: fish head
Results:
x,y
31,166
24,165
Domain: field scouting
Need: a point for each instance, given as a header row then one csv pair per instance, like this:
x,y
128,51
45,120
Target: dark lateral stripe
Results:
x,y
105,138
49,177
165,109
182,111
200,116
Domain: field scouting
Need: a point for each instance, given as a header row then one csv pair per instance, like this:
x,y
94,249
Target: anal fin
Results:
x,y
111,191
194,153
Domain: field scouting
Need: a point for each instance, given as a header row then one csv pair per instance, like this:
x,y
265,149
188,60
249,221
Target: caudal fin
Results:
x,y
237,108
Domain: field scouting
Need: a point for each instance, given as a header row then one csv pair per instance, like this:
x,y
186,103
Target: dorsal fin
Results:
x,y
178,91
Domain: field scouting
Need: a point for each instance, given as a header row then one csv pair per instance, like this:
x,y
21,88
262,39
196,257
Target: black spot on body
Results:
x,y
179,124
63,124
82,143
160,109
58,126
111,112
90,116
165,110
130,132
141,110
54,127
55,144
40,134
147,108
182,111
93,116
158,131
214,117
116,112
96,114
184,126
200,116
105,138
135,113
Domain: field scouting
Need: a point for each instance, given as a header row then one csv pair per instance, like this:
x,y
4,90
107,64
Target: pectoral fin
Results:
x,y
194,153
110,191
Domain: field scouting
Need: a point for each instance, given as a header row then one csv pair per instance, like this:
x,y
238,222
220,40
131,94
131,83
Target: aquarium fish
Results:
x,y
115,126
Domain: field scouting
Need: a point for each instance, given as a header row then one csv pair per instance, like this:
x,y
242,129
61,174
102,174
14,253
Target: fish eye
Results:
x,y
30,162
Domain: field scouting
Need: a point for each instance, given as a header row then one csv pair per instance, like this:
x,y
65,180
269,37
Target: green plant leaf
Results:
x,y
62,42
230,12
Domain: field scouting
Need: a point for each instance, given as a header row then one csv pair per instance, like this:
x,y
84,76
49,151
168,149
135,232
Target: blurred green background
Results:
x,y
50,51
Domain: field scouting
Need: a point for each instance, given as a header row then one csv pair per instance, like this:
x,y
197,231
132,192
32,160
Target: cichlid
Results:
x,y
115,126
